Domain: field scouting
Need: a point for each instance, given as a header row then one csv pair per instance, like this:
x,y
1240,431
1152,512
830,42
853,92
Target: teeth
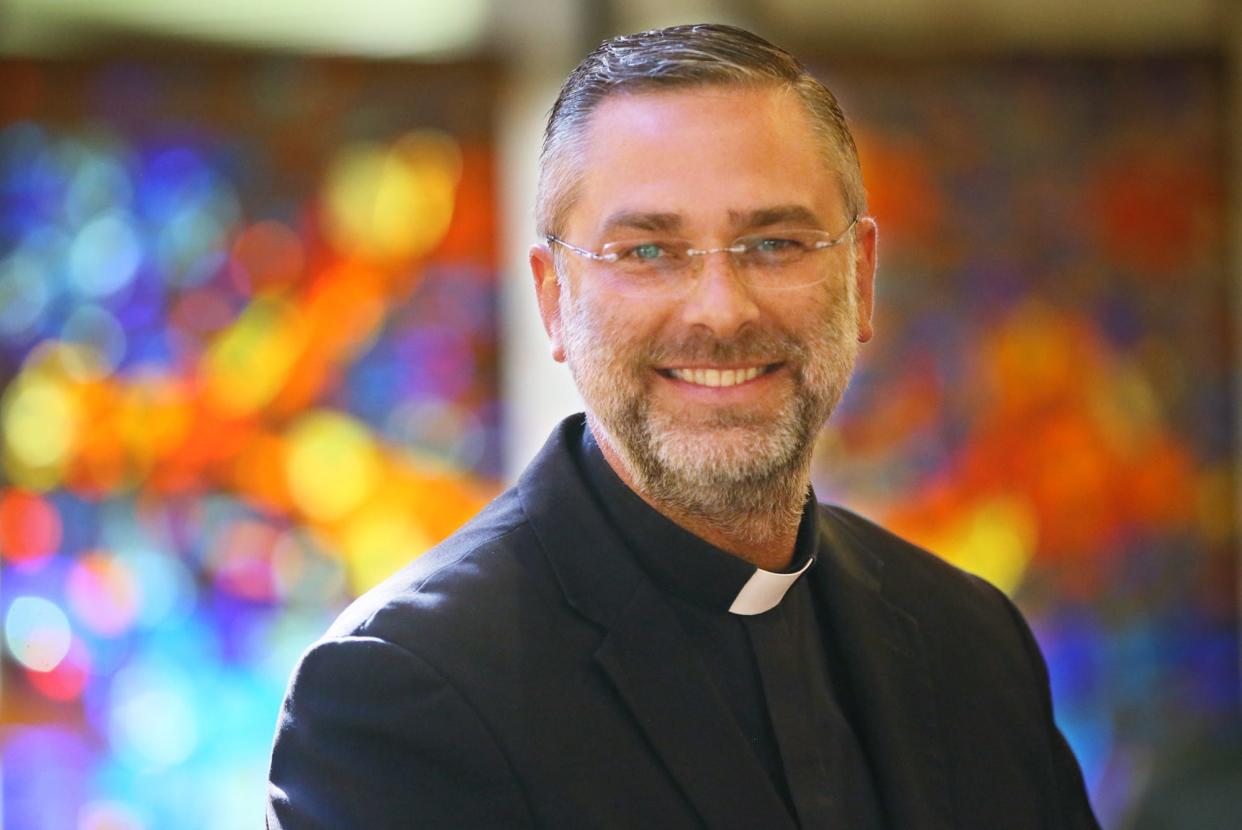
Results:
x,y
717,377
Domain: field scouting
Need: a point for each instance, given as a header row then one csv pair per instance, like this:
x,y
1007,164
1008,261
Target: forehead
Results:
x,y
704,154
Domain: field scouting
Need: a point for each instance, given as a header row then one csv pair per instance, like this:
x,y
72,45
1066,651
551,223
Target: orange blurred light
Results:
x,y
246,366
259,471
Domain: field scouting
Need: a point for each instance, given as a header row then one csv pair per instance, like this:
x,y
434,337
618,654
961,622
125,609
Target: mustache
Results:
x,y
750,345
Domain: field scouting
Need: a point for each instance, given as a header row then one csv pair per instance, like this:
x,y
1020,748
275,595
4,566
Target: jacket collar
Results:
x,y
644,652
653,665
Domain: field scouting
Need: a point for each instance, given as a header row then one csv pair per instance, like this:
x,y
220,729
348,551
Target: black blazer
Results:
x,y
527,673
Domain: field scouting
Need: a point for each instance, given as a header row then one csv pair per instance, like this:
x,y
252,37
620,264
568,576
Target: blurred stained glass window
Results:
x,y
1049,398
247,369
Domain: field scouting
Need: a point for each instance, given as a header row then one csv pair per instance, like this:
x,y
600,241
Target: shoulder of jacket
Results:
x,y
910,569
477,566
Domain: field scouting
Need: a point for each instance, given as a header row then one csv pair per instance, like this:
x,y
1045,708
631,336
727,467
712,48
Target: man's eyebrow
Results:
x,y
777,215
637,220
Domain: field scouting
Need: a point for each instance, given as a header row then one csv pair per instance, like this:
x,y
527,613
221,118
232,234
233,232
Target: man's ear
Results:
x,y
548,294
864,275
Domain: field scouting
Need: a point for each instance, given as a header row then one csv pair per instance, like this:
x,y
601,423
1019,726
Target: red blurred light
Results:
x,y
30,527
68,679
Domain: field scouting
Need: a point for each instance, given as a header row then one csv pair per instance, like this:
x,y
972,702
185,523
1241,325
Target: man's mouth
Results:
x,y
704,376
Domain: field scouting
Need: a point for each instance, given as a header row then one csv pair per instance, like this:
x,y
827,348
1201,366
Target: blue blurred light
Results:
x,y
105,254
439,429
22,145
155,348
25,294
166,586
1072,644
153,717
145,305
100,183
373,384
79,520
280,643
95,328
459,296
439,362
212,265
37,632
44,782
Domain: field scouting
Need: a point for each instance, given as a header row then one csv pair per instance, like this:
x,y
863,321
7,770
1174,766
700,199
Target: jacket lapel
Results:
x,y
661,679
644,651
886,669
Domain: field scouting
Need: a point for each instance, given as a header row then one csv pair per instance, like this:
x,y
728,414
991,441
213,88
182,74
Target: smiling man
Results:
x,y
659,626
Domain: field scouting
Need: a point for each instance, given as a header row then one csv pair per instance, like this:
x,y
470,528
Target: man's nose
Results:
x,y
716,297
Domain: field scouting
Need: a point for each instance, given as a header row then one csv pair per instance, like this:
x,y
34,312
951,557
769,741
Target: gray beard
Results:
x,y
746,476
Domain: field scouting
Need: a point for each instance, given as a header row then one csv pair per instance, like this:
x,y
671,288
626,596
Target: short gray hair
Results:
x,y
702,54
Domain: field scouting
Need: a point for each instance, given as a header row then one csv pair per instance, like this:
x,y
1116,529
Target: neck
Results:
x,y
765,541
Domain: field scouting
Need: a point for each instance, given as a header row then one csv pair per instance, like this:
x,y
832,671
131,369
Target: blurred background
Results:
x,y
266,333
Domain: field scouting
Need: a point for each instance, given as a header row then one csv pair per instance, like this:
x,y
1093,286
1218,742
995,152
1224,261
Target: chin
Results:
x,y
726,454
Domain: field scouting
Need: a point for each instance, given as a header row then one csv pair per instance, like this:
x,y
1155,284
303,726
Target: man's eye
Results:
x,y
645,250
777,245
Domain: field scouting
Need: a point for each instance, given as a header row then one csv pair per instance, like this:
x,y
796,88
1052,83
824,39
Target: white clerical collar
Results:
x,y
764,590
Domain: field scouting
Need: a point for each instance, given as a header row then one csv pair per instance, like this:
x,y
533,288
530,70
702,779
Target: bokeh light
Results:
x,y
192,487
37,633
105,255
109,815
68,678
392,202
375,542
104,593
98,334
24,294
163,583
30,526
332,464
250,361
1047,401
142,689
267,256
40,415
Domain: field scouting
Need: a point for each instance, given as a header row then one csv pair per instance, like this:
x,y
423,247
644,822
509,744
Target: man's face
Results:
x,y
707,165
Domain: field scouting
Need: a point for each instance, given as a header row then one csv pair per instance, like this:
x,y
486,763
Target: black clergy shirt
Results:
x,y
768,655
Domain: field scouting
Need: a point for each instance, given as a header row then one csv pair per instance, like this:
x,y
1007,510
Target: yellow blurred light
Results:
x,y
332,465
1127,408
82,361
249,362
995,540
379,541
152,418
41,420
392,203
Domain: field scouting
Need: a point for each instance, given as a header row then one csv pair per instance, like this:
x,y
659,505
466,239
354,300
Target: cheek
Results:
x,y
607,322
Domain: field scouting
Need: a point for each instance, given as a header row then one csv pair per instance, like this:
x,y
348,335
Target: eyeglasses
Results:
x,y
771,260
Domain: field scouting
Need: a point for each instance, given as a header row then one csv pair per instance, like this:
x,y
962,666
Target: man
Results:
x,y
658,626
